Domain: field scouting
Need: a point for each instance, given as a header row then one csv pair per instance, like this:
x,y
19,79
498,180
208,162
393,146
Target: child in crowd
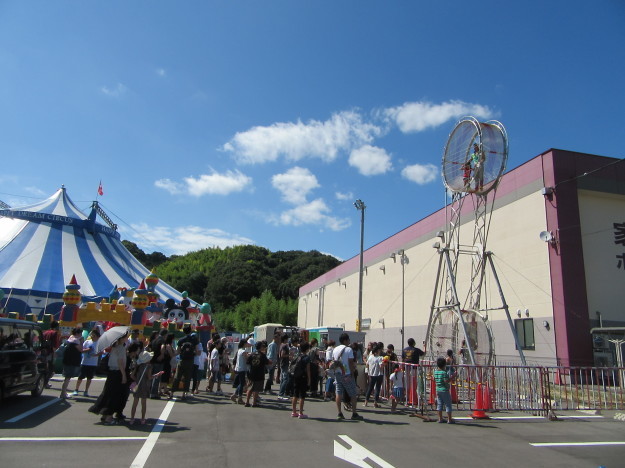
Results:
x,y
397,384
142,382
443,396
257,363
301,377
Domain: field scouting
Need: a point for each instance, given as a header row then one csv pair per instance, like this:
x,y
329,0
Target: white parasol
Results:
x,y
110,336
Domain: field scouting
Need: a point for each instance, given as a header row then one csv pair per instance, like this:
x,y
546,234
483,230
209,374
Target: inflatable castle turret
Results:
x,y
71,299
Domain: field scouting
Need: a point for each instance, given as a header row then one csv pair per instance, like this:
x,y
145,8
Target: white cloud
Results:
x,y
116,92
419,116
344,196
207,184
370,160
161,72
420,174
314,213
295,141
183,239
295,184
175,188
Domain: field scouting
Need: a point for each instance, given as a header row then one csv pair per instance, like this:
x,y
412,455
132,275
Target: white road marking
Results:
x,y
66,439
504,418
575,444
34,410
149,444
357,454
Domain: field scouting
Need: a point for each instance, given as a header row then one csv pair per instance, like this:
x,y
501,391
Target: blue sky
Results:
x,y
215,123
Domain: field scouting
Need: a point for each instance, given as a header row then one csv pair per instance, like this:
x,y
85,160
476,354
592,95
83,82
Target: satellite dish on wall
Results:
x,y
546,236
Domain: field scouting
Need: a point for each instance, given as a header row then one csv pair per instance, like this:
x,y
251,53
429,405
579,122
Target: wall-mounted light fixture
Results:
x,y
393,256
344,283
549,237
518,313
383,268
527,312
546,324
381,321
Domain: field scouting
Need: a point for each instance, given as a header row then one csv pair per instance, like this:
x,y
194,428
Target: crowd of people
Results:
x,y
160,366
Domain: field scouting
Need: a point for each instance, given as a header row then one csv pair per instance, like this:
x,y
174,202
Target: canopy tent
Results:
x,y
44,244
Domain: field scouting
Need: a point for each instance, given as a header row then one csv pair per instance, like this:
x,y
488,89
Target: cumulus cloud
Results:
x,y
315,213
295,184
420,174
344,196
207,184
182,239
115,92
295,141
370,160
419,116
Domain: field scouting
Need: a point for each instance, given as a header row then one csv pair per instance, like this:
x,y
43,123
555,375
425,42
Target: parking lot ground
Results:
x,y
210,430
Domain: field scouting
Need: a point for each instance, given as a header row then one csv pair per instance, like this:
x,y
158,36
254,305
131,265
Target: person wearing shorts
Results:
x,y
71,359
443,396
302,382
397,382
345,382
89,362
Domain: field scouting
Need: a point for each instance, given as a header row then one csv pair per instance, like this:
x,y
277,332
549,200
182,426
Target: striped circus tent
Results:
x,y
43,245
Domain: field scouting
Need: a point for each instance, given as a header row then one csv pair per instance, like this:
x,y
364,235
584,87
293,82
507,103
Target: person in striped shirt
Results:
x,y
443,396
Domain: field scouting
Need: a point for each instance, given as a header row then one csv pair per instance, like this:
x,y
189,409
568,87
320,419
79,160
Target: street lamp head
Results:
x,y
359,204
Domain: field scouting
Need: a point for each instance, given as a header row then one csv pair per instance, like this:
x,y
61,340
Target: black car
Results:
x,y
22,368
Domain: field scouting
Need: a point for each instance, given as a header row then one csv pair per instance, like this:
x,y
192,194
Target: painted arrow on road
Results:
x,y
357,455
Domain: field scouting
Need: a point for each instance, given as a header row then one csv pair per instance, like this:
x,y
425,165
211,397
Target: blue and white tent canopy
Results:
x,y
43,245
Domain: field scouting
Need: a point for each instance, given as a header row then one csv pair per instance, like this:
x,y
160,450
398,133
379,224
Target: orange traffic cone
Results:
x,y
454,393
478,410
432,392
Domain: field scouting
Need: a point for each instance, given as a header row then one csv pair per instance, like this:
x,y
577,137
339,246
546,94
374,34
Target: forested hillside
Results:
x,y
246,285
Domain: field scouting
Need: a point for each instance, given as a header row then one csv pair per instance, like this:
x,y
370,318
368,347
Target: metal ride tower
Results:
x,y
473,162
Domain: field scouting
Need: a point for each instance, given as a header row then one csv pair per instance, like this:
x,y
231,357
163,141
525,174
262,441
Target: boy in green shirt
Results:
x,y
443,397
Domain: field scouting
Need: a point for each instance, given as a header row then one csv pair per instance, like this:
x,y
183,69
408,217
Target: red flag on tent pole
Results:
x,y
100,190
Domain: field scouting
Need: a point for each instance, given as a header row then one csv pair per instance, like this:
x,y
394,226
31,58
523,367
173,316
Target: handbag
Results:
x,y
136,383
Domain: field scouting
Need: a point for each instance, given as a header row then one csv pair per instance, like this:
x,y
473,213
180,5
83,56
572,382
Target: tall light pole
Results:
x,y
360,206
403,259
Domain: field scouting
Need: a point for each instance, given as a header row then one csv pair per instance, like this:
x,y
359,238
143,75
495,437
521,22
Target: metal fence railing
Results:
x,y
538,390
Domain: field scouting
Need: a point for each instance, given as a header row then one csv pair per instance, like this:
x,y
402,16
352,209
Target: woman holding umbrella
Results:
x,y
110,400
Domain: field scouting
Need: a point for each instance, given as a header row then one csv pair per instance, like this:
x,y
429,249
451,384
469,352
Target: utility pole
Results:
x,y
360,206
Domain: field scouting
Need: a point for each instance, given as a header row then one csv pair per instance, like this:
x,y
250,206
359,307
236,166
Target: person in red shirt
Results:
x,y
51,342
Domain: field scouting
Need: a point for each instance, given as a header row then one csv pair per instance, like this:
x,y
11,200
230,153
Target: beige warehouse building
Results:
x,y
557,288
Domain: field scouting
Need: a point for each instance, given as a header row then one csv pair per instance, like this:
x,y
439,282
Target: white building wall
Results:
x,y
521,259
605,279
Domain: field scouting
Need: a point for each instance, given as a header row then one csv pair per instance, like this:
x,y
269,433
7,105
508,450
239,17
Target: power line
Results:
x,y
613,163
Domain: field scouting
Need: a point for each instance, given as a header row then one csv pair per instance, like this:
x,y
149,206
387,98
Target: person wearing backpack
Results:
x,y
344,366
283,356
300,375
71,360
257,363
186,350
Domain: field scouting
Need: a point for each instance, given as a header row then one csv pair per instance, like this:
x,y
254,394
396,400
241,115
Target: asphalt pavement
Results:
x,y
210,430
